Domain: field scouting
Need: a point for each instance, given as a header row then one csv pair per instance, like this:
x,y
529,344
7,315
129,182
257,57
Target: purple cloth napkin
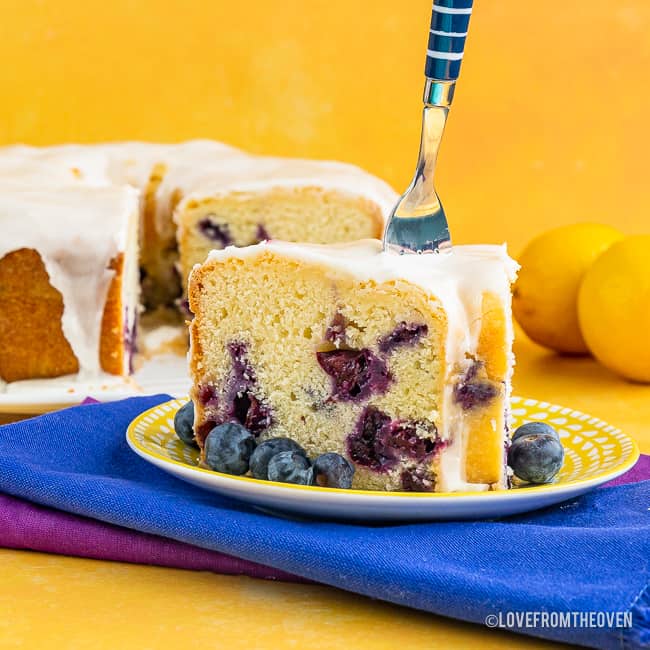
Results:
x,y
640,472
24,525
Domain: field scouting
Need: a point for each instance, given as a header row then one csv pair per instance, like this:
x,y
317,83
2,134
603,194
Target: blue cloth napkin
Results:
x,y
589,555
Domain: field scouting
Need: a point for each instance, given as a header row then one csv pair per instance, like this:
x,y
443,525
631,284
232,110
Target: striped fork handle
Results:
x,y
449,23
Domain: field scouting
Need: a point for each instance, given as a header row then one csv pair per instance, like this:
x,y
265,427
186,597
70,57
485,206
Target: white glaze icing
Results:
x,y
457,279
77,230
53,166
132,163
242,173
198,169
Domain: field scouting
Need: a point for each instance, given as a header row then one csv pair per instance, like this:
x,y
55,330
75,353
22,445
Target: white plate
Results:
x,y
595,453
163,373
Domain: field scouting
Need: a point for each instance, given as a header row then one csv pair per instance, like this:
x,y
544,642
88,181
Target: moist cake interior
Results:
x,y
348,351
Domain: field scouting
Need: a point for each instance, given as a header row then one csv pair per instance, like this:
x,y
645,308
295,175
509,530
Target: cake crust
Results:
x,y
30,321
114,334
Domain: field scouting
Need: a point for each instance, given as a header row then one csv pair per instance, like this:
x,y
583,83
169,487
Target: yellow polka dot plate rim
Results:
x,y
595,453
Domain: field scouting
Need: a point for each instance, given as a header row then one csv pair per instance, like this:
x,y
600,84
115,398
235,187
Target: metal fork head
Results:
x,y
428,233
418,223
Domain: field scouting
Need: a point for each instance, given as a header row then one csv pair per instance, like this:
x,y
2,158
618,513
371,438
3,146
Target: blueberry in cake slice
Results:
x,y
401,364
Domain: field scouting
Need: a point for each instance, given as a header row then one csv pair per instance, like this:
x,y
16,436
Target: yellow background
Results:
x,y
549,124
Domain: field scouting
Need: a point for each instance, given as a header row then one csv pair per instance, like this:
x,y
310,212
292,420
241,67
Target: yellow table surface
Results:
x,y
48,601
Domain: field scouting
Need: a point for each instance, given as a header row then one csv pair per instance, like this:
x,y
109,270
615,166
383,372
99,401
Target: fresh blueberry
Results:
x,y
259,463
535,429
291,467
332,470
184,424
536,458
228,448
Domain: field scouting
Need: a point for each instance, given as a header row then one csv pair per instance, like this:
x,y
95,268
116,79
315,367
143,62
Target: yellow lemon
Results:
x,y
614,308
546,293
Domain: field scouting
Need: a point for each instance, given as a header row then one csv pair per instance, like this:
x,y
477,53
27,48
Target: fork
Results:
x,y
417,224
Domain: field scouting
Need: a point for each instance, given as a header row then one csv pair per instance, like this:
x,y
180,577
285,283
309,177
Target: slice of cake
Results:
x,y
400,363
246,200
69,285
